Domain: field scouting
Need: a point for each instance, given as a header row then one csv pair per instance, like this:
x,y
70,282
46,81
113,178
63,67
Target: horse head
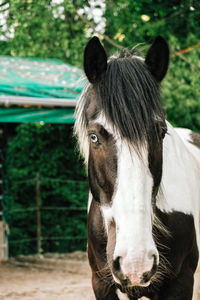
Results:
x,y
121,126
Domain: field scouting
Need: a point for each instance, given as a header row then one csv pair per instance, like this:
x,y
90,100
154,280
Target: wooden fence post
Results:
x,y
2,256
3,227
3,241
38,215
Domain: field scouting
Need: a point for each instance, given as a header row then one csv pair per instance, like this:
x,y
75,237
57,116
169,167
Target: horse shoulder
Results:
x,y
191,140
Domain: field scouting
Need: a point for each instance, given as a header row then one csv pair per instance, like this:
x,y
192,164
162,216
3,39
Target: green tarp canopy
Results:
x,y
32,115
38,90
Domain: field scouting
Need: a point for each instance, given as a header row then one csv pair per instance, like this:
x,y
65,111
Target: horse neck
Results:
x,y
180,189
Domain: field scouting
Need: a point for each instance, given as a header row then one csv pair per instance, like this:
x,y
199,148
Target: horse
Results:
x,y
144,179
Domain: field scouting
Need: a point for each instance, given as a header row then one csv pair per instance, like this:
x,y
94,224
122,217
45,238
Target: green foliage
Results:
x,y
56,29
44,29
181,89
132,22
49,150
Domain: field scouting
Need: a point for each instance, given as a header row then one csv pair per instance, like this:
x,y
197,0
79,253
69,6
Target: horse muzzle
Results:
x,y
137,277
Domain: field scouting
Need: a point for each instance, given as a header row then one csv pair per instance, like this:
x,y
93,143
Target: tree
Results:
x,y
181,89
132,22
44,28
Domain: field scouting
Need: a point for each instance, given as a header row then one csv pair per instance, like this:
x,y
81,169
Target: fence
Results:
x,y
45,225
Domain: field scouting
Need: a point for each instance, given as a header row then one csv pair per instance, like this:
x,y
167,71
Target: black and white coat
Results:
x,y
144,204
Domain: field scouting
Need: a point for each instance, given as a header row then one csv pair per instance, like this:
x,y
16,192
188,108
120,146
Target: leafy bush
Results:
x,y
49,150
181,88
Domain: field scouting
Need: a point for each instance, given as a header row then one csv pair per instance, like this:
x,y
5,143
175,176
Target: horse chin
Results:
x,y
139,285
127,284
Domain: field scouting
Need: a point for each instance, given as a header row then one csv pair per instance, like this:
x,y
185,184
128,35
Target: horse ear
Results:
x,y
157,58
95,60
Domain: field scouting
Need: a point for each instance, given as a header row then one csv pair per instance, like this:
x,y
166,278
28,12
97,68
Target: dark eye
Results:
x,y
94,138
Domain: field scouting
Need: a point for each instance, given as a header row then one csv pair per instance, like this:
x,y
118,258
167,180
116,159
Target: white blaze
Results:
x,y
131,210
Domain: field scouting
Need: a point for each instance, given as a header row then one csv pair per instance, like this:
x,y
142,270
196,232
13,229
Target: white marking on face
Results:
x,y
131,208
108,215
132,212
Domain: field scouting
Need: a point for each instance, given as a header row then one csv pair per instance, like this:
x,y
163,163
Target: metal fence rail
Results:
x,y
37,211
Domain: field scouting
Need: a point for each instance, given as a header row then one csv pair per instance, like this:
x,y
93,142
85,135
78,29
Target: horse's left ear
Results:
x,y
95,60
157,58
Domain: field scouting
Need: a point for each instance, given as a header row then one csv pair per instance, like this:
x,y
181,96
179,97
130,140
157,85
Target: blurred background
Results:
x,y
43,195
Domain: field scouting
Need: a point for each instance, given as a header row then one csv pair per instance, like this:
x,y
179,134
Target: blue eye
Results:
x,y
94,138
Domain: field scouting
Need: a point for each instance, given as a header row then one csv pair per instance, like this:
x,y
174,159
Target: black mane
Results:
x,y
129,97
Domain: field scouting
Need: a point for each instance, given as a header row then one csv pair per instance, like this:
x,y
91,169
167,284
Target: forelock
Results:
x,y
129,98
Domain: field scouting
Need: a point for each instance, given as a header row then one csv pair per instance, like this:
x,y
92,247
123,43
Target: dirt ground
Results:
x,y
50,277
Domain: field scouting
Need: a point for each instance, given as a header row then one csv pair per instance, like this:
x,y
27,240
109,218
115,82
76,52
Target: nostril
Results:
x,y
153,255
116,264
147,275
155,265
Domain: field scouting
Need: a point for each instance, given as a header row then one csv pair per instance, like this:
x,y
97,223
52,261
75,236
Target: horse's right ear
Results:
x,y
95,60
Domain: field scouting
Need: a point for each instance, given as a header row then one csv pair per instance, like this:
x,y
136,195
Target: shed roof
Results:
x,y
34,83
